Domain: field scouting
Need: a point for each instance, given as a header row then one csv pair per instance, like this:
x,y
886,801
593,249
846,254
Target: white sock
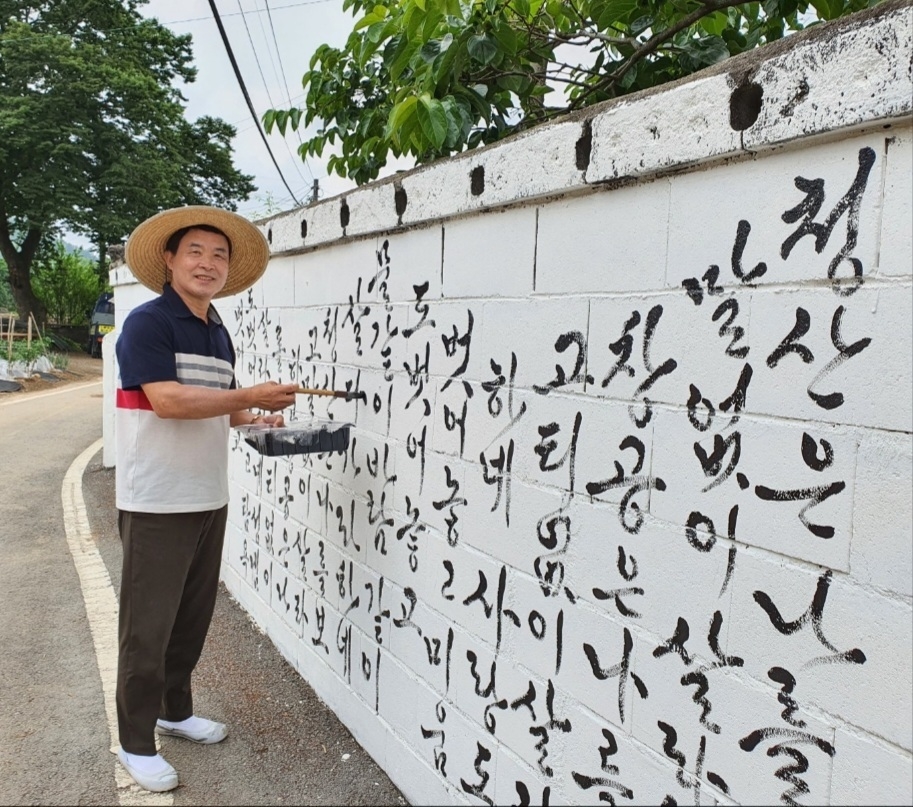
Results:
x,y
149,765
192,723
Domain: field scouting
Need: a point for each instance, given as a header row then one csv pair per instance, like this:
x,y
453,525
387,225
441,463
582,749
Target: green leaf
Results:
x,y
401,58
399,115
408,123
615,11
370,20
482,48
512,83
458,123
507,38
642,23
433,18
430,50
432,117
714,23
474,101
413,22
442,70
376,31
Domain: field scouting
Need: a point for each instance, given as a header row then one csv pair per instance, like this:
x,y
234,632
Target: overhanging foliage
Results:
x,y
427,79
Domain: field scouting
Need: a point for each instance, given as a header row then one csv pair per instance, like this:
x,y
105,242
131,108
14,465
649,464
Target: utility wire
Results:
x,y
246,119
269,16
258,11
275,200
292,101
169,22
269,51
283,80
250,106
288,94
295,161
256,57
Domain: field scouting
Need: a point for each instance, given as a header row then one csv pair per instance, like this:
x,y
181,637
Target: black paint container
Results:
x,y
300,437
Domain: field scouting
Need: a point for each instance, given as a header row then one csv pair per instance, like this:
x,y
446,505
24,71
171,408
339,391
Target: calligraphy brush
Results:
x,y
347,395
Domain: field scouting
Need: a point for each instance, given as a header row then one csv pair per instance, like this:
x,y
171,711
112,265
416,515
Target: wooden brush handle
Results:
x,y
349,396
330,392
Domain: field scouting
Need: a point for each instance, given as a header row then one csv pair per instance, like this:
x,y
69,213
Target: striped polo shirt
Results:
x,y
167,465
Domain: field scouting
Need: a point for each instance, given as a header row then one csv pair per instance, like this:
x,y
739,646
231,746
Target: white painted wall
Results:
x,y
128,294
496,587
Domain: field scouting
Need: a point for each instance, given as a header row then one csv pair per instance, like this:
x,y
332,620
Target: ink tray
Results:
x,y
314,436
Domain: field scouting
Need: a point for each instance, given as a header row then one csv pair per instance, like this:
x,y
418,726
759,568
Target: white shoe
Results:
x,y
150,773
195,729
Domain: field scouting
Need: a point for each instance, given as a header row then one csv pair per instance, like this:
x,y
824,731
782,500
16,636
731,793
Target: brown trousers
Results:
x,y
167,597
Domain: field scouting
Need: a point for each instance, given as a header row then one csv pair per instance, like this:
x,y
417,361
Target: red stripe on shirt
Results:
x,y
133,399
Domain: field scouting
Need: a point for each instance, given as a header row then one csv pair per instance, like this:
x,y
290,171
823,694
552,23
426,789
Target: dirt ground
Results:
x,y
80,367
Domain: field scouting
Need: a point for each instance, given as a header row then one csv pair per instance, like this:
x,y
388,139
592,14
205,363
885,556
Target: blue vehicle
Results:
x,y
101,322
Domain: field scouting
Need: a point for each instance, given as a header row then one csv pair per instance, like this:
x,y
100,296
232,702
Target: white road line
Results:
x,y
101,609
32,396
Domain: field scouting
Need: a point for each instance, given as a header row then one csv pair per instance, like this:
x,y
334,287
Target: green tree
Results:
x,y
66,284
7,303
92,131
428,78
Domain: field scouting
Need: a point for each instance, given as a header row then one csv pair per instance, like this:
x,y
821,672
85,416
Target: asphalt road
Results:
x,y
284,746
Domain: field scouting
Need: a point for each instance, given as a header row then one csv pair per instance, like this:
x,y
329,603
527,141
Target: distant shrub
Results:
x,y
60,360
67,284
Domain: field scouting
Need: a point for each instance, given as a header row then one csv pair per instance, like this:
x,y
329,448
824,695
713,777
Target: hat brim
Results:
x,y
145,250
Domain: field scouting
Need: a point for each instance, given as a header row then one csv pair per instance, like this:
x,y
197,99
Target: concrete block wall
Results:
x,y
626,516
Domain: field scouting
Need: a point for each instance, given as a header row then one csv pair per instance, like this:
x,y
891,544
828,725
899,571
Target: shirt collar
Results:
x,y
180,309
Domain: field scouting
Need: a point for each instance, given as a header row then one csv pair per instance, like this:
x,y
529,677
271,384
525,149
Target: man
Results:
x,y
176,399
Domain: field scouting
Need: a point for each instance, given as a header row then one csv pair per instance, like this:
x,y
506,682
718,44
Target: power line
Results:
x,y
256,57
283,80
276,200
269,51
258,11
288,94
278,53
292,101
169,23
250,106
269,97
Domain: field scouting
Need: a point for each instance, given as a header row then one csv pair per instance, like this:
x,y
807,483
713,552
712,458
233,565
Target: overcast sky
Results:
x,y
283,51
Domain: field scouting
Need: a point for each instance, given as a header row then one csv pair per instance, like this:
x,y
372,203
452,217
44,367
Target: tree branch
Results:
x,y
648,47
560,77
31,243
589,36
573,67
7,249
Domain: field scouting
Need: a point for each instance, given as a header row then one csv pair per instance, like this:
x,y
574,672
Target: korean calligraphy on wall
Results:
x,y
603,533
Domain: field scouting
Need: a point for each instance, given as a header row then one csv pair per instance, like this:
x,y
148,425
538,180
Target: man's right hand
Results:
x,y
272,396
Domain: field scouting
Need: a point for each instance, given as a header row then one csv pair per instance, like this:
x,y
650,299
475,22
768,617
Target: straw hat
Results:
x,y
145,251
